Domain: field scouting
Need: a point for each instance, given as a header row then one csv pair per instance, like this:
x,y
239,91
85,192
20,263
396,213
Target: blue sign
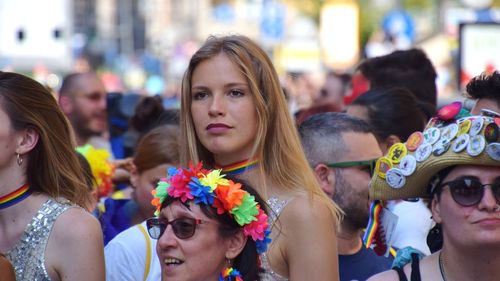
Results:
x,y
399,24
272,25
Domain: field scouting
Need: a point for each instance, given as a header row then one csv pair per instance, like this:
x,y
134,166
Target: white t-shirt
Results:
x,y
126,256
414,223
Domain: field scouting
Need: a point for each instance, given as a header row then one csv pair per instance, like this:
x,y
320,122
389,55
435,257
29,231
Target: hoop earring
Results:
x,y
19,159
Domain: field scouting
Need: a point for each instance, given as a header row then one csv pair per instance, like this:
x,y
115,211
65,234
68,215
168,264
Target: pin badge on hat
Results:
x,y
441,147
408,165
414,141
431,135
491,132
449,132
493,150
423,152
463,127
382,165
397,152
395,178
476,145
476,126
460,143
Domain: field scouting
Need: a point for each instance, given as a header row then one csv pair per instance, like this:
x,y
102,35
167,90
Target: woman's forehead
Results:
x,y
486,172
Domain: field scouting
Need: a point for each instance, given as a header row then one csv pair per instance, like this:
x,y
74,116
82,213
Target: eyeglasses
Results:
x,y
469,191
183,228
364,163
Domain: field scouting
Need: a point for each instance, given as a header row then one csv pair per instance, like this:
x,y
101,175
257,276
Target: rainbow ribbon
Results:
x,y
239,168
375,209
15,197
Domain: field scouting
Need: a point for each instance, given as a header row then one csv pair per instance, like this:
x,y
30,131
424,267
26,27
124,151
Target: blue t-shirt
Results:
x,y
362,265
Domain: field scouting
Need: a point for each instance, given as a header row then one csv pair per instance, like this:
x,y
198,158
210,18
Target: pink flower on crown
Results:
x,y
179,187
257,228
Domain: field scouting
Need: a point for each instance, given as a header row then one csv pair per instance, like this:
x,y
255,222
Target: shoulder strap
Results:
x,y
401,273
415,267
148,251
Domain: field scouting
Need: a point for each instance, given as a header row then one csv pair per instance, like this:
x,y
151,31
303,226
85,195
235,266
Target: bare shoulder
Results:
x,y
76,223
388,275
302,208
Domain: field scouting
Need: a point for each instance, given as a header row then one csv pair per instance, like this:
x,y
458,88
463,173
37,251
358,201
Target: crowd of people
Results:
x,y
374,181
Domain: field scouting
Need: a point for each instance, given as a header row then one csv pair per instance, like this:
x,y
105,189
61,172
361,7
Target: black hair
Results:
x,y
247,262
392,111
485,86
409,69
150,113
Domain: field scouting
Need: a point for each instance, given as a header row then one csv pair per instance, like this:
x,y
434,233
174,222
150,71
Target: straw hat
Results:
x,y
451,138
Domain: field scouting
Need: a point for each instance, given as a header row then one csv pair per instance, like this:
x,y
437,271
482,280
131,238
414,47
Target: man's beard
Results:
x,y
356,213
80,124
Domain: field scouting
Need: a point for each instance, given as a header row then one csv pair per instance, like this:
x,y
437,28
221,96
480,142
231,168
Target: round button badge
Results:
x,y
463,127
397,152
395,178
441,147
414,141
408,165
493,150
449,132
423,152
382,165
476,145
476,126
460,143
491,132
431,135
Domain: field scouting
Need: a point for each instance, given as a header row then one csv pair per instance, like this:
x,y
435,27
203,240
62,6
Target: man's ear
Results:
x,y
66,104
391,139
436,209
326,178
235,244
27,140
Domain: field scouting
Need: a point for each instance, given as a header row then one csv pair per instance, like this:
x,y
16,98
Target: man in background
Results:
x,y
82,98
341,150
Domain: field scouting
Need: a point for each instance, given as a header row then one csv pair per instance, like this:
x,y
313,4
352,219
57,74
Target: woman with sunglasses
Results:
x,y
457,165
234,116
44,230
209,227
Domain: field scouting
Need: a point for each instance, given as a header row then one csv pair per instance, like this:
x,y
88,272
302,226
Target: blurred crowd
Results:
x,y
237,177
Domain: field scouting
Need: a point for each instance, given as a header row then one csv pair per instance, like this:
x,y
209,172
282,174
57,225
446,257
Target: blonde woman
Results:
x,y
234,116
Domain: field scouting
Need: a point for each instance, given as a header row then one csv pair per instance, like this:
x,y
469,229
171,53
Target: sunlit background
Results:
x,y
143,46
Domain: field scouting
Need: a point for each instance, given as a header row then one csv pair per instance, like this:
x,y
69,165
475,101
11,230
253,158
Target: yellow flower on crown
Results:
x,y
213,179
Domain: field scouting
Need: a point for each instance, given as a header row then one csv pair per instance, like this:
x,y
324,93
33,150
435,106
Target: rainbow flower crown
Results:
x,y
210,187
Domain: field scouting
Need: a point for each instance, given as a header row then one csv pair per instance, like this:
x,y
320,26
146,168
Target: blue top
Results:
x,y
362,265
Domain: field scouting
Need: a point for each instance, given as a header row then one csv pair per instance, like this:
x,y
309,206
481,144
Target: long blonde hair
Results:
x,y
53,167
277,144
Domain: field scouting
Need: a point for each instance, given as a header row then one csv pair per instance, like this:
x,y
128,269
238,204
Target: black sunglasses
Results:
x,y
469,191
370,164
183,228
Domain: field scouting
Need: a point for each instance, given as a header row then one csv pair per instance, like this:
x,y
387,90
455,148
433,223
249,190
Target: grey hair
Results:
x,y
321,135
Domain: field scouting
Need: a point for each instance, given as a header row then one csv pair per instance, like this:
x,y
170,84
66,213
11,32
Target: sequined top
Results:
x,y
28,255
276,207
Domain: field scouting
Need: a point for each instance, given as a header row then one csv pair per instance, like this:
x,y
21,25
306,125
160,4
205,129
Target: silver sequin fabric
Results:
x,y
276,207
28,255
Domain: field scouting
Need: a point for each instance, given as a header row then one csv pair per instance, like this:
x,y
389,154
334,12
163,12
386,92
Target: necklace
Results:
x,y
441,267
15,196
239,168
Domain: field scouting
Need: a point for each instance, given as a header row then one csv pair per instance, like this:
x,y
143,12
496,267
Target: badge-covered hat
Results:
x,y
451,138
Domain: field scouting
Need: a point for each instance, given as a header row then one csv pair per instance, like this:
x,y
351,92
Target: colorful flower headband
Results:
x,y
101,168
209,187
